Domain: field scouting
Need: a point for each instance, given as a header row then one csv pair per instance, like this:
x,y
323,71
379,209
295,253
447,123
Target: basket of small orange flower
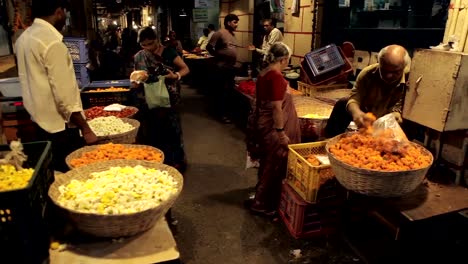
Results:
x,y
380,163
110,151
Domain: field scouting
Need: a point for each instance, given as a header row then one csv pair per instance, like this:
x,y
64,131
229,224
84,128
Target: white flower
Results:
x,y
119,190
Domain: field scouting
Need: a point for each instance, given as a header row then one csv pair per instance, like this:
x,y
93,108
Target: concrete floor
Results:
x,y
213,226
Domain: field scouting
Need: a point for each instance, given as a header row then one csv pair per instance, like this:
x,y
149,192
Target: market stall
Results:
x,y
200,65
127,210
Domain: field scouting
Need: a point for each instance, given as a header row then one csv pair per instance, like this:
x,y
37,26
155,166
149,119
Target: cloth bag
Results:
x,y
156,94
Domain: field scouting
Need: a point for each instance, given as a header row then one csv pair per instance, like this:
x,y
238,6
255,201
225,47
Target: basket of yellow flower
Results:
x,y
116,198
23,201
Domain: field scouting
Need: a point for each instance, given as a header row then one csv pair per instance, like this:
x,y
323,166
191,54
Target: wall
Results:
x,y
213,18
298,29
244,10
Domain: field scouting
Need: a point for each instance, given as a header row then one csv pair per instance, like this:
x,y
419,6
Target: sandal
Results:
x,y
257,208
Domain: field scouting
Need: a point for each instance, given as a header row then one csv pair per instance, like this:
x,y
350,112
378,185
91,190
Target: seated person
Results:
x,y
379,88
203,40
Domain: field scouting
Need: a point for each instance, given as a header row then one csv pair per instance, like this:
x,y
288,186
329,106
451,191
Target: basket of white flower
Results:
x,y
116,130
116,198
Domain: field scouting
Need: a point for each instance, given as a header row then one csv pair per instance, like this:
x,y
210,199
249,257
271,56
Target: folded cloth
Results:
x,y
115,107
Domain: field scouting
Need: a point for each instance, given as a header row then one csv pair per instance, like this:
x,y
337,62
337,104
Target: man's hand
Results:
x,y
398,117
359,118
89,137
251,47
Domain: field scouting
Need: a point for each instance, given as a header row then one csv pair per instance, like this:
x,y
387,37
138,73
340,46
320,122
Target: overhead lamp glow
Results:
x,y
135,27
114,22
153,27
182,13
149,18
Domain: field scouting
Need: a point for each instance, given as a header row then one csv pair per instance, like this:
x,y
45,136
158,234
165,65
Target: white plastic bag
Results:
x,y
114,108
387,126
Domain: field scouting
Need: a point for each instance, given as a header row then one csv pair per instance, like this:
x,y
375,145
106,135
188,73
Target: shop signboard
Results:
x,y
200,15
204,3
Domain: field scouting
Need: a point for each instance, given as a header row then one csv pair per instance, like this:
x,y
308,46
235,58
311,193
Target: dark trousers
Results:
x,y
161,128
63,143
339,119
222,89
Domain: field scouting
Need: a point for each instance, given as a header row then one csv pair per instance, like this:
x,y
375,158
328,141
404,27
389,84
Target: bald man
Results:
x,y
379,88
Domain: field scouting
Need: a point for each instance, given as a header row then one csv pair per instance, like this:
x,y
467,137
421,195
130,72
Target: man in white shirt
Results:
x,y
212,30
272,35
49,88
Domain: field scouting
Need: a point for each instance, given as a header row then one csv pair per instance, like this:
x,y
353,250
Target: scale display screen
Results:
x,y
324,60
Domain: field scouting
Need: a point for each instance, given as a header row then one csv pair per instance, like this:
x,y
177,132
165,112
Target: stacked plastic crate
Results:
x,y
79,52
310,197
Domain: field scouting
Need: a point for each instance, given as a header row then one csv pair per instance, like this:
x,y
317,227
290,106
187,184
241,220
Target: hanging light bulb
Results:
x,y
182,13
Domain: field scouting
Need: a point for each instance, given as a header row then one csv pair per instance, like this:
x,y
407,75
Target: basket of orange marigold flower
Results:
x,y
378,165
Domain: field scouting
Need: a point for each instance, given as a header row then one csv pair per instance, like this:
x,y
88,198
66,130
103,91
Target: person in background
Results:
x,y
161,127
272,35
172,41
203,40
379,89
48,84
212,30
276,126
223,47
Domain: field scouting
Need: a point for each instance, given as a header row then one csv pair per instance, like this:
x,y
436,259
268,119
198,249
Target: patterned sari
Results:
x,y
161,127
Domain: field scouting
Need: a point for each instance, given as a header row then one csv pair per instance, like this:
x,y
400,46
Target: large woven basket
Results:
x,y
373,182
114,225
123,138
79,152
312,128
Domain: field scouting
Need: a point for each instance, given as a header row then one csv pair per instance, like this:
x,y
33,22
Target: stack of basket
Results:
x,y
310,198
326,93
313,117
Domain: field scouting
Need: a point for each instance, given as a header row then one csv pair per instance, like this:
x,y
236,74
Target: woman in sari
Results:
x,y
276,126
160,126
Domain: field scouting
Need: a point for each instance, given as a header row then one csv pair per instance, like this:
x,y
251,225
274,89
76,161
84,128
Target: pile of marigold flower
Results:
x,y
365,151
112,151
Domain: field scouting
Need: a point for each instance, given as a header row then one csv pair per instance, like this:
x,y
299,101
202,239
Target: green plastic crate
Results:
x,y
24,236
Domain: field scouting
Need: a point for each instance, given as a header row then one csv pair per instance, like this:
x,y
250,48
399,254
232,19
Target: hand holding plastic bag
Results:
x,y
388,129
387,126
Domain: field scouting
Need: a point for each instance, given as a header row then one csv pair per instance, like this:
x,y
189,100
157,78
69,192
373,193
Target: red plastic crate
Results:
x,y
305,220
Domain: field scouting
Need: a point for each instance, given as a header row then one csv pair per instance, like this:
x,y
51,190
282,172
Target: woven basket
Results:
x,y
312,128
128,137
79,152
134,111
377,183
114,225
